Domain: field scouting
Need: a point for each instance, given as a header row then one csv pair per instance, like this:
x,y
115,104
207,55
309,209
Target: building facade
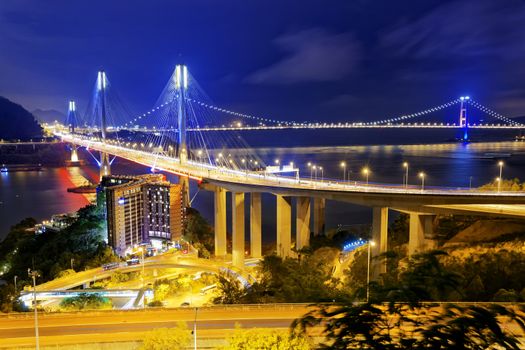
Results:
x,y
143,209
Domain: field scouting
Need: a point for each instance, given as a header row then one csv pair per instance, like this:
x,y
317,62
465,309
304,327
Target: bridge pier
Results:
x,y
255,225
105,165
302,226
284,226
74,154
220,221
420,233
380,238
319,216
238,230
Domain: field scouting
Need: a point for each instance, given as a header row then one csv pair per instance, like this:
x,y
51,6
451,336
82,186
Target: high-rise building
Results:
x,y
143,209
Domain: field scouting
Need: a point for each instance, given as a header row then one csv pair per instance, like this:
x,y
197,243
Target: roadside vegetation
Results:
x,y
53,254
85,301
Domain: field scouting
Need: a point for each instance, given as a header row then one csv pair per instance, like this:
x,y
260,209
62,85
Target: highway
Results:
x,y
101,326
274,183
165,261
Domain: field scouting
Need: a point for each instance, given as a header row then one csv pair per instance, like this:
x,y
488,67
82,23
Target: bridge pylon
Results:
x,y
105,164
181,85
71,122
463,120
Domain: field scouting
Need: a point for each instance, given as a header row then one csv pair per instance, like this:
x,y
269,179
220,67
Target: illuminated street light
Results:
x,y
422,176
34,274
405,165
322,173
366,172
343,165
277,161
370,244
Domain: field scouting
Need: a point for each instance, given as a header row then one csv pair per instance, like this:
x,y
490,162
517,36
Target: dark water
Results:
x,y
41,194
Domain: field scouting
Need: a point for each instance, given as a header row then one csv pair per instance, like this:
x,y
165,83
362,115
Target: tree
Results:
x,y
86,301
231,290
167,338
393,326
266,339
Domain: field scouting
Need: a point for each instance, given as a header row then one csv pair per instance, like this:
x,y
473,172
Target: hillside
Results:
x,y
16,122
49,115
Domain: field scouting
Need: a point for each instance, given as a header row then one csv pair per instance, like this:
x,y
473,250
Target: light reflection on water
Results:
x,y
41,194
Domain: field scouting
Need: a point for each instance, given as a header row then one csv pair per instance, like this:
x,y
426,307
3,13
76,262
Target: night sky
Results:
x,y
291,60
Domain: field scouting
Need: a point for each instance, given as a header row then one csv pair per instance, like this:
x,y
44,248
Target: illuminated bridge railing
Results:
x,y
200,171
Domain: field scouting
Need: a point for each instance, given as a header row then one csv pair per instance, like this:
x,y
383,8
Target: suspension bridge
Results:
x,y
187,135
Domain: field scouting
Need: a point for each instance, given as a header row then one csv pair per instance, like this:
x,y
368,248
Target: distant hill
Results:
x,y
16,122
49,115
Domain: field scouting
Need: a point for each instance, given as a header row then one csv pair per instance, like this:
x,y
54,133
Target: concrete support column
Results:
x,y
319,216
420,233
302,225
220,222
255,225
238,230
284,226
379,237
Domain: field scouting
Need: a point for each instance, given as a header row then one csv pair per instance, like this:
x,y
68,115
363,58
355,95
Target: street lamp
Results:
x,y
405,165
195,331
15,278
370,244
277,161
422,176
500,164
343,165
34,275
142,277
322,173
366,172
315,169
498,180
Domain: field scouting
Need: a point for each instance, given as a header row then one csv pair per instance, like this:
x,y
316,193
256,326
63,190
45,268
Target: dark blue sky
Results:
x,y
295,60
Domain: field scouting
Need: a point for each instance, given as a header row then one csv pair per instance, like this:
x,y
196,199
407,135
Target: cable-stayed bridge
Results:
x,y
185,134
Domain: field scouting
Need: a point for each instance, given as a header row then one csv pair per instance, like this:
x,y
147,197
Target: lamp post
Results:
x,y
322,173
343,165
370,244
498,180
15,278
500,164
34,274
142,278
422,176
195,331
366,171
405,165
315,171
311,170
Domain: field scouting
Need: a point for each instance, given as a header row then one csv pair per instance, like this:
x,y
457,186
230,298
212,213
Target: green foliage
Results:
x,y
50,253
488,269
87,301
231,291
506,185
199,232
167,338
289,280
266,339
413,326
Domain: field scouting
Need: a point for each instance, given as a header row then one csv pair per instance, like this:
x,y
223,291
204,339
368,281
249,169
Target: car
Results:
x,y
185,304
